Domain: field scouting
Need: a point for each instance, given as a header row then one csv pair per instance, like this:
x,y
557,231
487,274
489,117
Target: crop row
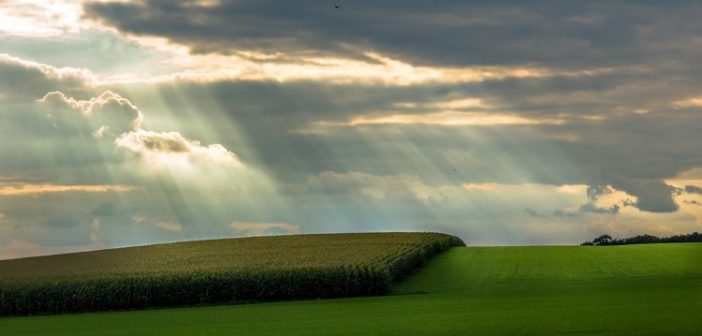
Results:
x,y
142,290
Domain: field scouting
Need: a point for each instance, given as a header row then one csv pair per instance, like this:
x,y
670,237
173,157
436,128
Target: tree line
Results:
x,y
606,240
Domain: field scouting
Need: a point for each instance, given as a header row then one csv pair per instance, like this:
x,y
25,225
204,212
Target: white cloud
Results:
x,y
28,18
168,225
80,76
100,132
172,150
89,107
115,118
109,112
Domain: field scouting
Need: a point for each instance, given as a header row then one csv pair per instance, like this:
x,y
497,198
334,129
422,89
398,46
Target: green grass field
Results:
x,y
621,290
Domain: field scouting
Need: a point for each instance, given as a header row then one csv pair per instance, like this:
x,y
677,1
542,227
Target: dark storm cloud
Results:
x,y
652,195
563,33
690,189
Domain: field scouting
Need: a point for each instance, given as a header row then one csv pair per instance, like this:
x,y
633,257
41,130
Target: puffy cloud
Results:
x,y
114,118
65,123
170,226
172,150
109,113
594,195
22,79
62,176
34,136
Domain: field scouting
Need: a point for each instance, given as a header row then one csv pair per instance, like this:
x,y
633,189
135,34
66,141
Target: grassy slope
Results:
x,y
624,290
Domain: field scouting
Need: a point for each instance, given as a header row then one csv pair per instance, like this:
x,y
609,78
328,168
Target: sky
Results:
x,y
504,122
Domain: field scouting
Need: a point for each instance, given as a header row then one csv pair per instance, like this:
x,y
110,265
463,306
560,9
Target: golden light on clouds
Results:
x,y
38,189
280,67
689,202
172,150
461,104
88,107
451,118
573,189
448,118
40,18
689,102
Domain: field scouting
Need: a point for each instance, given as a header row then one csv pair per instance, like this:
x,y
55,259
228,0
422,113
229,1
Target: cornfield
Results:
x,y
215,271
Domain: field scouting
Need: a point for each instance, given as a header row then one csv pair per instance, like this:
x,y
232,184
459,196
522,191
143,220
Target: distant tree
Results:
x,y
604,239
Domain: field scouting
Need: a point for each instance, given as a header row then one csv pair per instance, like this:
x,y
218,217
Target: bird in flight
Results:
x,y
337,6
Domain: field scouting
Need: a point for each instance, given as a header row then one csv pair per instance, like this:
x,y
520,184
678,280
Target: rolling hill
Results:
x,y
538,290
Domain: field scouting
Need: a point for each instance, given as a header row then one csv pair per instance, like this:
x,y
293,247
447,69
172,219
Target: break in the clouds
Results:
x,y
508,122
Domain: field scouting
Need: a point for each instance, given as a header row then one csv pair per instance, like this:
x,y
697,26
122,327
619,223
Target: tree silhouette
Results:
x,y
604,239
